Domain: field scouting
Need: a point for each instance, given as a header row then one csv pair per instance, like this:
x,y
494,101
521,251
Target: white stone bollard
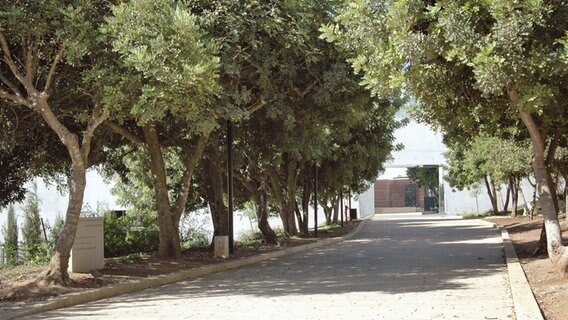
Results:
x,y
221,244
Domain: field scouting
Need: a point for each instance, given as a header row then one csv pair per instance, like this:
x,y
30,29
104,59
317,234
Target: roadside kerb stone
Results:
x,y
524,302
526,306
156,281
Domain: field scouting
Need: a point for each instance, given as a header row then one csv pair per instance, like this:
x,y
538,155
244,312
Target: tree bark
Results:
x,y
491,193
285,195
556,251
513,192
214,190
56,272
335,205
169,246
261,199
514,195
257,186
565,196
507,198
327,211
306,195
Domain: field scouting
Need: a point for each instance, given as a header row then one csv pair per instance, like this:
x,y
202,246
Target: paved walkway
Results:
x,y
397,267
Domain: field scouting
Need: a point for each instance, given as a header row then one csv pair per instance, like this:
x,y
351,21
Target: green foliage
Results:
x,y
425,177
55,232
10,232
193,233
34,248
129,234
500,159
167,65
133,186
462,59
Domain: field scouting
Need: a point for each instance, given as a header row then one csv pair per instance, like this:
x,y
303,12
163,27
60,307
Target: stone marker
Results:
x,y
221,244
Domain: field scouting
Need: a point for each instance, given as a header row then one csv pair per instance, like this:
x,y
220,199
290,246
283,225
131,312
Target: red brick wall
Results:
x,y
391,193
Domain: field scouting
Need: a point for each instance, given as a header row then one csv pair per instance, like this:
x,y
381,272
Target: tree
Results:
x,y
11,238
469,63
34,244
265,57
425,177
490,161
162,89
42,65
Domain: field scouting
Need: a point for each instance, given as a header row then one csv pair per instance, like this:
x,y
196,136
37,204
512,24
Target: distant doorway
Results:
x,y
427,177
416,189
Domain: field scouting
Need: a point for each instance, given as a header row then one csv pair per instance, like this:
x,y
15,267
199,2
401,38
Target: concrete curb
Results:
x,y
150,282
526,306
524,302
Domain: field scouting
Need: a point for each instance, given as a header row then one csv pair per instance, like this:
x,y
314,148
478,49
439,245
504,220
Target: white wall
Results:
x,y
365,202
52,202
424,146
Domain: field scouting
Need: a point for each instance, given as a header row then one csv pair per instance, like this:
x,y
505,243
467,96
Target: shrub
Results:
x,y
126,235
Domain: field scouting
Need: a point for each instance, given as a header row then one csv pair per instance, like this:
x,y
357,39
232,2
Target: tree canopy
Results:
x,y
472,66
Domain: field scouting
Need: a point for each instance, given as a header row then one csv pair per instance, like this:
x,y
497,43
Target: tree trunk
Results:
x,y
169,246
306,195
527,206
256,184
302,225
327,211
515,196
286,197
507,197
565,177
556,251
56,272
268,235
491,193
214,191
335,205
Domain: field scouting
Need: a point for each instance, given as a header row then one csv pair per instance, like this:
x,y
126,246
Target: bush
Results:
x,y
194,238
126,235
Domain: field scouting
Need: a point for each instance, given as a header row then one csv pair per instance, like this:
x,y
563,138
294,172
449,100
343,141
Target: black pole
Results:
x,y
341,205
316,200
349,204
230,183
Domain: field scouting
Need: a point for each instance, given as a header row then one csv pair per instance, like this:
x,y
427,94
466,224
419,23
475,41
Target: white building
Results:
x,y
424,147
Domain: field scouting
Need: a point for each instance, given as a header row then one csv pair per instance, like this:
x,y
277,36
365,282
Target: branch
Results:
x,y
552,150
53,68
29,66
10,85
306,90
244,182
17,99
190,165
116,128
8,59
256,106
97,118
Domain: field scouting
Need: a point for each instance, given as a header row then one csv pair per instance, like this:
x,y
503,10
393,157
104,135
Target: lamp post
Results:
x,y
230,184
341,205
315,200
349,203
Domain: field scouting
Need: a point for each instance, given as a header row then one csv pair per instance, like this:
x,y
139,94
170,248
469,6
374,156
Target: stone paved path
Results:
x,y
397,267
